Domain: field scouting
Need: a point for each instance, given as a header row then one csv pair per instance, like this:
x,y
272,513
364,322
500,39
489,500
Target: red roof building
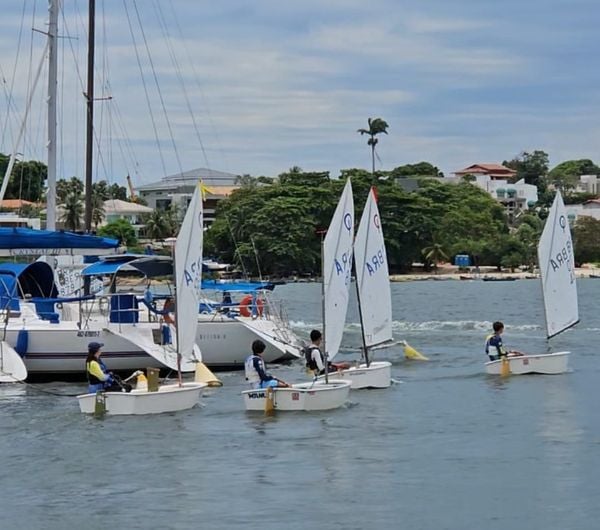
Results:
x,y
494,171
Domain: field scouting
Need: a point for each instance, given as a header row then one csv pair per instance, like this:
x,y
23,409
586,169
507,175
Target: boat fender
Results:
x,y
22,342
247,306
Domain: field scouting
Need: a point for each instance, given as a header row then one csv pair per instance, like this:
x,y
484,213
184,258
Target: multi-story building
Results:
x,y
496,179
176,190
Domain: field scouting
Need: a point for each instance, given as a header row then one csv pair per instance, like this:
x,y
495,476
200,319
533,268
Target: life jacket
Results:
x,y
251,374
92,379
308,357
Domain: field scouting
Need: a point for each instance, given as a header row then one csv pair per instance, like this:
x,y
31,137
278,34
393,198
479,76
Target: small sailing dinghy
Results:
x,y
557,271
374,300
337,265
188,270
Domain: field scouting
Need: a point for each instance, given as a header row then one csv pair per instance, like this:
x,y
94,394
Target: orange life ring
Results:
x,y
246,306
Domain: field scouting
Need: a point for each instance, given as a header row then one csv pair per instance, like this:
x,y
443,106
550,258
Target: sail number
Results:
x,y
564,258
376,262
342,266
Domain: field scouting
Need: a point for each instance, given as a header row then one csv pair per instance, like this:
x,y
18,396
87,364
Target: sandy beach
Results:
x,y
450,272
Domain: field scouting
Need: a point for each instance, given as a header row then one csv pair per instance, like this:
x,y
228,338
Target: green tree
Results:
x,y
376,126
119,229
65,187
97,209
532,167
157,225
565,175
26,180
72,211
421,169
434,254
586,236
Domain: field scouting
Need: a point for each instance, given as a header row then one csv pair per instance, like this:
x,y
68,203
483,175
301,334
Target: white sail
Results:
x,y
557,270
337,268
188,275
372,276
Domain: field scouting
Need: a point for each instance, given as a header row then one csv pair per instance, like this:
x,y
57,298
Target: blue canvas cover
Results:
x,y
26,241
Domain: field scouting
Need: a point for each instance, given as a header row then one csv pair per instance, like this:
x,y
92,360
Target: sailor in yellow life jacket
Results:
x,y
99,378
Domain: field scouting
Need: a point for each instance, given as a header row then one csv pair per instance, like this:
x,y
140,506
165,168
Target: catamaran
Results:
x,y
374,300
188,270
337,268
559,289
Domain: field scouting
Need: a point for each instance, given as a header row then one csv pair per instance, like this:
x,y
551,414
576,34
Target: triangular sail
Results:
x,y
188,275
372,276
337,267
557,270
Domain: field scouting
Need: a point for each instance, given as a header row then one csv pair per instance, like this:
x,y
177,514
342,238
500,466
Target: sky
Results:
x,y
259,87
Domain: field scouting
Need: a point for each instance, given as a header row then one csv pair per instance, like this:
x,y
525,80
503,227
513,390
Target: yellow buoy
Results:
x,y
204,375
411,353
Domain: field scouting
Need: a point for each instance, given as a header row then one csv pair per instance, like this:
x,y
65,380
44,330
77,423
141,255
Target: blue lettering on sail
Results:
x,y
342,266
564,257
377,261
193,275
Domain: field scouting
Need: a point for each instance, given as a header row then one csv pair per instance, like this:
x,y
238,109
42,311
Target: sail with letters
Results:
x,y
337,269
188,275
557,270
372,276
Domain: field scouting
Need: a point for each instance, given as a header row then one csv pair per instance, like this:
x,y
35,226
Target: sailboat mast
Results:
x,y
177,316
52,85
323,343
89,141
360,316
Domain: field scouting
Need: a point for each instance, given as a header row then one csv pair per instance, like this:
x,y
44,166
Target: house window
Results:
x,y
163,204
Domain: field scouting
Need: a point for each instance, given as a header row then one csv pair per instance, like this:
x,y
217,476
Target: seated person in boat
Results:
x,y
98,376
494,348
315,360
256,372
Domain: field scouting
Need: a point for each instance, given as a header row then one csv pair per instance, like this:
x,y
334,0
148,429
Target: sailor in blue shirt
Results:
x,y
494,348
256,372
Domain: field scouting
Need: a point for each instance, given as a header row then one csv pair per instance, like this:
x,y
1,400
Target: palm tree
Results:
x,y
157,225
97,209
434,254
376,126
73,211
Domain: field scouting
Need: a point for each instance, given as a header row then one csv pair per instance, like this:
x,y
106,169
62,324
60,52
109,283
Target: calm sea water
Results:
x,y
447,448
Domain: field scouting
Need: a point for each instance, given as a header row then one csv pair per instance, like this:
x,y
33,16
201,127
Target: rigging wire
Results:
x,y
10,95
139,63
168,40
162,101
198,84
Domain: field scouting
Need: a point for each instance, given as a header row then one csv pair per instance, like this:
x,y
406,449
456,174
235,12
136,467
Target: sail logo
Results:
x,y
376,263
348,222
377,221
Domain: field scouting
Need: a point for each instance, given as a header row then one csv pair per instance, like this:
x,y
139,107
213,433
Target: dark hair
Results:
x,y
315,334
91,356
498,326
258,346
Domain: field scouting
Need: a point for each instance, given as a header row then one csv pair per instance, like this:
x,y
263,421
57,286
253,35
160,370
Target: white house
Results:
x,y
495,179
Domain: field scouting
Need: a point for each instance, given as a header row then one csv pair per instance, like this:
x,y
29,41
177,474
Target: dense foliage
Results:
x,y
276,226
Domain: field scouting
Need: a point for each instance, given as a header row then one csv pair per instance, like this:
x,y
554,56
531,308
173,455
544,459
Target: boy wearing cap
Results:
x,y
98,375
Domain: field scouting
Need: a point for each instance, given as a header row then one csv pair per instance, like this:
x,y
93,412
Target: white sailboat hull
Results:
x,y
168,398
61,348
376,375
550,363
12,367
301,397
